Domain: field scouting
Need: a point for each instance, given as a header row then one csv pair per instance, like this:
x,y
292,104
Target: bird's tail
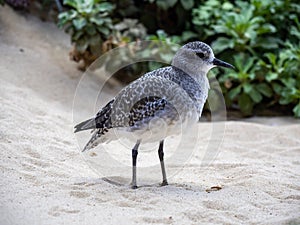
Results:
x,y
92,142
85,125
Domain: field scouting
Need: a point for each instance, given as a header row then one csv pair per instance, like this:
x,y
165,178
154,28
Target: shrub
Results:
x,y
261,38
264,38
89,24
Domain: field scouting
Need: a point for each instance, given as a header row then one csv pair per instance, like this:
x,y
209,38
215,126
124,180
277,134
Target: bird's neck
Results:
x,y
198,75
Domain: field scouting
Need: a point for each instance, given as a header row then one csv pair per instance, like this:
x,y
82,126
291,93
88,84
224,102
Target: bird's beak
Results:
x,y
218,62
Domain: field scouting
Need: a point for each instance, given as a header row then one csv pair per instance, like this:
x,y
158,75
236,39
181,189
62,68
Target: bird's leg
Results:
x,y
134,156
162,163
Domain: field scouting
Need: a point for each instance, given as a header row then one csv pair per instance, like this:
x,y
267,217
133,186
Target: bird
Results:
x,y
159,104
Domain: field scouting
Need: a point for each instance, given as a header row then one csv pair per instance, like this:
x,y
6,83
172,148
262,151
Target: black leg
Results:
x,y
162,163
134,156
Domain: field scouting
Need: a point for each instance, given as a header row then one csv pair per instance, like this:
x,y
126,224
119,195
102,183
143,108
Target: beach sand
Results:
x,y
46,180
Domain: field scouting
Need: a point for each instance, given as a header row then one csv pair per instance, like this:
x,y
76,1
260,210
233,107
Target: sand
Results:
x,y
46,180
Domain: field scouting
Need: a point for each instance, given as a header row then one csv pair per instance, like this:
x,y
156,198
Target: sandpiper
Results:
x,y
161,103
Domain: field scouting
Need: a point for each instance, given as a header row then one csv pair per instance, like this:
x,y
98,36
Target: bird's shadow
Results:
x,y
123,185
117,186
120,182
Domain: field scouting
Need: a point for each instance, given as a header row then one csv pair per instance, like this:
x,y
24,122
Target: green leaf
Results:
x,y
97,20
296,110
285,100
187,35
227,6
255,95
296,32
239,62
271,76
65,17
248,64
250,34
277,88
245,104
247,87
234,92
222,43
187,4
266,28
264,89
90,29
220,29
287,96
161,34
72,3
77,35
266,42
212,3
247,12
79,23
271,57
104,7
289,82
104,30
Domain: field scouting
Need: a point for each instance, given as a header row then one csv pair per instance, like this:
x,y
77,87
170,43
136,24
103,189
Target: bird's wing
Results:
x,y
139,115
146,109
101,120
141,100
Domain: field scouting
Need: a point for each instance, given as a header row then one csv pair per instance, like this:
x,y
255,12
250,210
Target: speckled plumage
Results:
x,y
159,104
147,98
174,95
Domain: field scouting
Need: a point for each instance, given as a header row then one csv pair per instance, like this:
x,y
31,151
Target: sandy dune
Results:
x,y
45,179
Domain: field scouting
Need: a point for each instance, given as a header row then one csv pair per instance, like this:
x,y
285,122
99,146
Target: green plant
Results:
x,y
89,24
282,72
207,14
162,48
243,87
263,37
242,31
128,30
127,33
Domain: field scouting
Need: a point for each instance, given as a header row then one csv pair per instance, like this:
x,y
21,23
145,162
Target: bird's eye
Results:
x,y
200,55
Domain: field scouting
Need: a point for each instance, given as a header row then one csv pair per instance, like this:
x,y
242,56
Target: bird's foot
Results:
x,y
133,185
164,183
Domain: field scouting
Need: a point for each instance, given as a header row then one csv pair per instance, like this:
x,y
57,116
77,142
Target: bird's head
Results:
x,y
197,57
